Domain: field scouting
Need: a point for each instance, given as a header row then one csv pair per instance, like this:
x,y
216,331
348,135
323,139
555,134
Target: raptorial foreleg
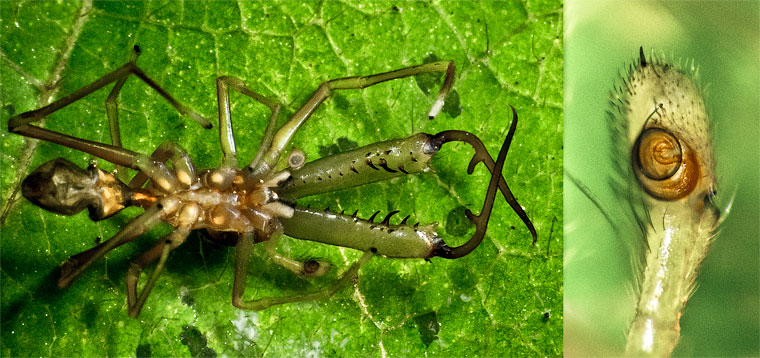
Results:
x,y
382,161
497,181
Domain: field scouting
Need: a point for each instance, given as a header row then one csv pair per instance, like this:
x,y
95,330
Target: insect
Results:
x,y
662,116
256,203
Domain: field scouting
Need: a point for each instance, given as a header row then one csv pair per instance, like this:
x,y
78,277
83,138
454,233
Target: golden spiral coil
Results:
x,y
666,167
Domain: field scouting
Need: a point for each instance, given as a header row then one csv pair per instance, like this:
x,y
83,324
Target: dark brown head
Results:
x,y
62,187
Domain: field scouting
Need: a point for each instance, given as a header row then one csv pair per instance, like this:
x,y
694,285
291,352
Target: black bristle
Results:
x,y
403,222
371,218
641,57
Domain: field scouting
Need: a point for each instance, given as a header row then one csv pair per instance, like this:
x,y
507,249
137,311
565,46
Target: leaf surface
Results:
x,y
505,297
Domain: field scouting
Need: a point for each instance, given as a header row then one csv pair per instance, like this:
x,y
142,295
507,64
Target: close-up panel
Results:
x,y
387,244
662,193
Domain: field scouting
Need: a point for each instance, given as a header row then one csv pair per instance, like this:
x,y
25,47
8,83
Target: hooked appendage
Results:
x,y
497,182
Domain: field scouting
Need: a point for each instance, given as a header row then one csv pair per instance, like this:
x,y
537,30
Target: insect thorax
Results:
x,y
242,204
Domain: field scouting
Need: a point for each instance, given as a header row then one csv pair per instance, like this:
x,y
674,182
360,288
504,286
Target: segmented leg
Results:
x,y
310,268
158,172
161,250
183,165
112,111
76,264
286,132
223,85
244,248
21,123
187,216
371,163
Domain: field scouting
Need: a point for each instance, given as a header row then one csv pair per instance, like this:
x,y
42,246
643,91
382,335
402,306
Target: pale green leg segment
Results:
x,y
397,241
244,248
286,132
371,163
226,137
309,268
183,165
160,251
383,161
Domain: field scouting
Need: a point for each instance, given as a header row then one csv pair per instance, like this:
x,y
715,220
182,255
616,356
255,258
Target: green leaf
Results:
x,y
491,302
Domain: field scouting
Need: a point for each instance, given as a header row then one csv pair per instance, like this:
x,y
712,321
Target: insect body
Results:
x,y
258,203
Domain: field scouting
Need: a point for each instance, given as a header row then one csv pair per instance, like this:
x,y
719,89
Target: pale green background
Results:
x,y
602,39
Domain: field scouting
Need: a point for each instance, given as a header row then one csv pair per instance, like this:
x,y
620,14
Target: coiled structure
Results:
x,y
662,116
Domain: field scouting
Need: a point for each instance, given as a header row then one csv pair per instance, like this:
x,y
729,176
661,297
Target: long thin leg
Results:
x,y
187,215
223,86
310,268
21,124
244,247
76,264
266,141
112,111
161,250
286,132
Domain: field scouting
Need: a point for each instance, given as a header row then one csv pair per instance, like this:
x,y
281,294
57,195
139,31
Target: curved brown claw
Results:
x,y
497,181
